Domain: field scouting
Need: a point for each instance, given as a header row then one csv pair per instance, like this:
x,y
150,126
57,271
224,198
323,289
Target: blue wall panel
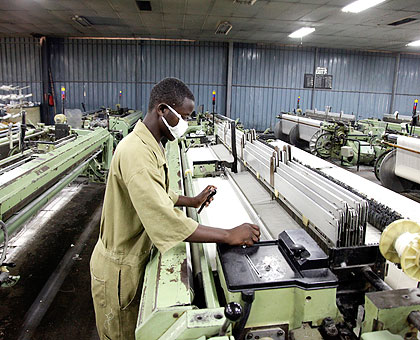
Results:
x,y
362,82
94,71
267,81
20,64
409,76
404,104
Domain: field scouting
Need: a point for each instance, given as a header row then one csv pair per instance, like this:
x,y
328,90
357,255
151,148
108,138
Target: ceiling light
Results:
x,y
414,43
302,32
361,5
82,21
223,28
245,2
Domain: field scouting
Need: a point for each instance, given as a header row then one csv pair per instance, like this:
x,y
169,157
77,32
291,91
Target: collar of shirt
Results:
x,y
146,136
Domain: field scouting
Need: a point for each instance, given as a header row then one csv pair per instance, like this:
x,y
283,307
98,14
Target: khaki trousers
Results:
x,y
116,284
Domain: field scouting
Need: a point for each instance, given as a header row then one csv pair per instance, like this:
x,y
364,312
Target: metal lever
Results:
x,y
233,312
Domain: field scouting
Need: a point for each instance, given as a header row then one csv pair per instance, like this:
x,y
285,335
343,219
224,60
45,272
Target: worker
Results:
x,y
139,212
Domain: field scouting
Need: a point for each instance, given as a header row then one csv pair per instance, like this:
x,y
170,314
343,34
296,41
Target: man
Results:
x,y
139,212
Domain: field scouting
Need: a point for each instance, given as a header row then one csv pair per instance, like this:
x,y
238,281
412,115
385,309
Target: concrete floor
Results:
x,y
70,315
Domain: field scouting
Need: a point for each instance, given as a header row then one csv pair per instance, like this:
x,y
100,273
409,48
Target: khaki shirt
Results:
x,y
138,209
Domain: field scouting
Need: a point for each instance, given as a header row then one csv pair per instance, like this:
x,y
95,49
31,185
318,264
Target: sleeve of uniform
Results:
x,y
173,196
165,225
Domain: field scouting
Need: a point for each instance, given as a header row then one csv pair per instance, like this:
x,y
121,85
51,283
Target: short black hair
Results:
x,y
171,91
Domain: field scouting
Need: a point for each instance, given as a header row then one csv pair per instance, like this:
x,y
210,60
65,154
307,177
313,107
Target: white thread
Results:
x,y
403,242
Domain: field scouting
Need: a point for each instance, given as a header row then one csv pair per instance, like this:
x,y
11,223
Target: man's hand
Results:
x,y
202,197
244,235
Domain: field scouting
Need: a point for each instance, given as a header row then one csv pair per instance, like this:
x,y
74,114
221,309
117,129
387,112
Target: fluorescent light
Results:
x,y
82,21
245,2
361,5
302,32
414,43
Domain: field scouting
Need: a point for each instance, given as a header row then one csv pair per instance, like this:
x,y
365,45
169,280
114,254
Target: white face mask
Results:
x,y
180,128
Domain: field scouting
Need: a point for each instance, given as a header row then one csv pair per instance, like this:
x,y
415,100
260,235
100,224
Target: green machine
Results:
x,y
337,140
29,179
183,298
119,122
288,288
13,137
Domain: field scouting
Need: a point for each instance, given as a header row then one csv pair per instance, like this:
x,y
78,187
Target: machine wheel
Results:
x,y
378,163
313,140
324,145
278,133
388,177
294,135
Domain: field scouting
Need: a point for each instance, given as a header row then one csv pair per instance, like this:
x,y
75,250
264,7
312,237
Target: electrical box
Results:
x,y
347,151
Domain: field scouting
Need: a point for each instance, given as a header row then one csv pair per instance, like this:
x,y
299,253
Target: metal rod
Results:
x,y
374,279
402,147
229,79
414,319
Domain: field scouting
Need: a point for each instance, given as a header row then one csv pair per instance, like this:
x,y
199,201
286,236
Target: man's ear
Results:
x,y
160,109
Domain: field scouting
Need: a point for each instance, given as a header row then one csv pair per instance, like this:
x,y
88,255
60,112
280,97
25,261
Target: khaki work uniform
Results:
x,y
138,212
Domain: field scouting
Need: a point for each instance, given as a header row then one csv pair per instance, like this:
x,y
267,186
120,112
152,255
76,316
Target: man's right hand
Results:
x,y
244,235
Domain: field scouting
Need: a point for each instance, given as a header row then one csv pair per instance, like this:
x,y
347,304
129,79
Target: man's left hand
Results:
x,y
202,197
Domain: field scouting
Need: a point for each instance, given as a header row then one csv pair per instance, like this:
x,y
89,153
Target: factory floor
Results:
x,y
67,224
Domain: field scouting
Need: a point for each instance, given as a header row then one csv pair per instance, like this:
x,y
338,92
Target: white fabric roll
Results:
x,y
408,163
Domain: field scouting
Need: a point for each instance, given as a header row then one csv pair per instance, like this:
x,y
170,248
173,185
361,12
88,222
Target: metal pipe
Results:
x,y
17,220
375,280
414,319
229,79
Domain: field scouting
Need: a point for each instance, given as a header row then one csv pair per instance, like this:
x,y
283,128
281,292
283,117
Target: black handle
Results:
x,y
233,312
207,200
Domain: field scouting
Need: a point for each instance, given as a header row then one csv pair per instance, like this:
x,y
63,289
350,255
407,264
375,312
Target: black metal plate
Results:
x,y
281,273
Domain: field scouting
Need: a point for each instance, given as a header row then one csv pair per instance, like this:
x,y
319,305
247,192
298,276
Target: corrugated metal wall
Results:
x,y
266,79
94,71
362,82
408,85
20,64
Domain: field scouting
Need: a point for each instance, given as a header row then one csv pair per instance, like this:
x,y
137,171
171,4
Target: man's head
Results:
x,y
172,92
